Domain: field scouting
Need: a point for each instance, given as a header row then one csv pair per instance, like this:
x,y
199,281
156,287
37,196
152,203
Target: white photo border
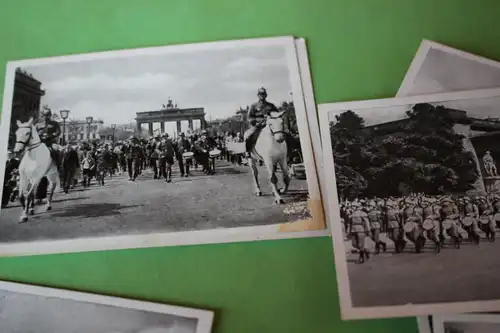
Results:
x,y
425,47
439,321
297,77
205,317
424,325
349,312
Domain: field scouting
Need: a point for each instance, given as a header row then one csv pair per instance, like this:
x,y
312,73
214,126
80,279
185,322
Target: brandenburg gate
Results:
x,y
169,113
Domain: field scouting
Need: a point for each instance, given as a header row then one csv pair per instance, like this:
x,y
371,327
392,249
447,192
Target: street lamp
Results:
x,y
113,127
64,116
89,121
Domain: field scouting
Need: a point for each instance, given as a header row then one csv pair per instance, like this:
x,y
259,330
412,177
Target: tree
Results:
x,y
290,118
423,154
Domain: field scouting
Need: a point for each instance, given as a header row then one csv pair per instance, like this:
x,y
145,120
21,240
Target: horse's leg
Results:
x,y
271,169
24,205
286,175
255,175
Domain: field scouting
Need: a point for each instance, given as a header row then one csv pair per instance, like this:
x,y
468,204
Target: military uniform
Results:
x,y
257,119
49,132
359,226
183,146
486,220
132,153
450,213
374,216
394,226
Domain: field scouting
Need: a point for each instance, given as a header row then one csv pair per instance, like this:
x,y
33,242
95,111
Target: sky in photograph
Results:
x,y
115,89
479,108
446,72
475,327
31,313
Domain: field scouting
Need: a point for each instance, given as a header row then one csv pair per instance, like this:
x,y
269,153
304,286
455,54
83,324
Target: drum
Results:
x,y
428,224
448,223
409,226
187,155
468,221
497,217
215,153
484,219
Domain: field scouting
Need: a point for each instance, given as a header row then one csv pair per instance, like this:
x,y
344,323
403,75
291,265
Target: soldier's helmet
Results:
x,y
157,136
46,112
182,134
262,91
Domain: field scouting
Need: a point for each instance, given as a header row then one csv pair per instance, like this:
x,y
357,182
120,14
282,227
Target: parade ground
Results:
x,y
471,273
120,207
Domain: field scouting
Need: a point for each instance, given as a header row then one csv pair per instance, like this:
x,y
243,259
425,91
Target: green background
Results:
x,y
358,49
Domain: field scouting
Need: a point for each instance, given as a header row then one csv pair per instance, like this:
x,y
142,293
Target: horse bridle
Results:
x,y
271,129
25,143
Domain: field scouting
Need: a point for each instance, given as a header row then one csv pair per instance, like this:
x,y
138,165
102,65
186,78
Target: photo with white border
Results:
x,y
28,308
437,68
466,323
124,122
380,181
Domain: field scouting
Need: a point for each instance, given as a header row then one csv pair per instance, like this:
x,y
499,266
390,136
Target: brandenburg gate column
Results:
x,y
139,126
162,127
150,128
190,124
178,126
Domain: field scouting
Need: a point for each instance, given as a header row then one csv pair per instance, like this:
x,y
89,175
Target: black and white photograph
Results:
x,y
414,203
467,323
438,68
27,308
175,145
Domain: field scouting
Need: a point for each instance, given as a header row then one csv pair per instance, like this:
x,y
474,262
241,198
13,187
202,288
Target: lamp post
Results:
x,y
113,127
89,121
64,116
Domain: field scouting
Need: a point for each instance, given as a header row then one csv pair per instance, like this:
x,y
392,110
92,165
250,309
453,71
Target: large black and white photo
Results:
x,y
26,308
466,323
438,68
414,202
174,145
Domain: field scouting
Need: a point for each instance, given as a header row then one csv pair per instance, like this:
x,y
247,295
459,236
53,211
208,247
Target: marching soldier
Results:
x,y
450,215
133,158
394,225
430,224
359,227
469,215
486,218
183,146
374,216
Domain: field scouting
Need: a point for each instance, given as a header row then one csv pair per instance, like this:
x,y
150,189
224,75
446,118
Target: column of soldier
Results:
x,y
444,221
87,160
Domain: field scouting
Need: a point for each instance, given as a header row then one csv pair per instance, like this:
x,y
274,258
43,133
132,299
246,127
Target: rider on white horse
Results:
x,y
257,119
49,132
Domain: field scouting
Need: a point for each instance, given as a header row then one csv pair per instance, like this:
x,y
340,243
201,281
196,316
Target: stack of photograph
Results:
x,y
413,192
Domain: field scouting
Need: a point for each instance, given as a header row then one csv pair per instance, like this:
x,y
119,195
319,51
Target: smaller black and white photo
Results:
x,y
438,68
27,308
414,203
467,323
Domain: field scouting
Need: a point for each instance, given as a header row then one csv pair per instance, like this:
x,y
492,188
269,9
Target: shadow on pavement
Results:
x,y
94,210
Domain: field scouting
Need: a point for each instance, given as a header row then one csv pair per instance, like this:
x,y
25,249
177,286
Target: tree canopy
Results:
x,y
420,154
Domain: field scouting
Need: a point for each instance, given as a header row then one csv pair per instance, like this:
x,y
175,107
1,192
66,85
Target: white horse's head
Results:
x,y
276,125
24,135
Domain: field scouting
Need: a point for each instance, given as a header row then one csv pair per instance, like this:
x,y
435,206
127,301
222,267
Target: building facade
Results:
x,y
77,131
25,102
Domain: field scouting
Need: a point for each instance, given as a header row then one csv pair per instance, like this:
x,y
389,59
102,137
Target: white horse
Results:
x,y
271,148
36,163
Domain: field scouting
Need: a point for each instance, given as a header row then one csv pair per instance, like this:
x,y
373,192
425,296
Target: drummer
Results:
x,y
486,217
450,214
469,215
431,222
